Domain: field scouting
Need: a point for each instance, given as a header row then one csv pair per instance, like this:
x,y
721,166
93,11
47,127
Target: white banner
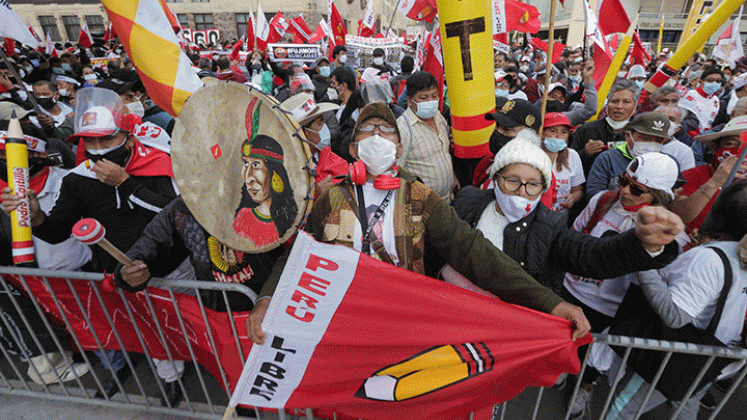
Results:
x,y
499,16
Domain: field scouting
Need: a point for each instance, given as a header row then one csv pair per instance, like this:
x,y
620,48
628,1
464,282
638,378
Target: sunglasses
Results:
x,y
635,189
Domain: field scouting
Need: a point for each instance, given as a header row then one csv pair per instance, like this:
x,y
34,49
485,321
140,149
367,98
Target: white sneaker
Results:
x,y
54,362
580,404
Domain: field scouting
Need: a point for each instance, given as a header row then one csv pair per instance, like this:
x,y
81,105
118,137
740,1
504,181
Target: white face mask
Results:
x,y
515,207
324,137
576,78
643,147
378,153
136,108
378,60
343,59
616,125
426,110
332,93
100,152
621,74
64,92
90,77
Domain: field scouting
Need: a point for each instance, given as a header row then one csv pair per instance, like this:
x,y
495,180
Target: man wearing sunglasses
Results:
x,y
646,133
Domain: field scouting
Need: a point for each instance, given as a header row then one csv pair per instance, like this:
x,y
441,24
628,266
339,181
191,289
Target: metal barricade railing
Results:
x,y
162,321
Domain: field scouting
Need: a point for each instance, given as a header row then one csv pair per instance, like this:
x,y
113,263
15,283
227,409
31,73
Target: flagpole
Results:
x,y
394,11
548,62
29,95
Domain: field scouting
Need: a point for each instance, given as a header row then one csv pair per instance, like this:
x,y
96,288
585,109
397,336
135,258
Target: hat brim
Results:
x,y
322,107
707,138
93,133
502,119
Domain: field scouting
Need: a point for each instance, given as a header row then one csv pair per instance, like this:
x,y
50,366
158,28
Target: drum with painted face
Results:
x,y
241,166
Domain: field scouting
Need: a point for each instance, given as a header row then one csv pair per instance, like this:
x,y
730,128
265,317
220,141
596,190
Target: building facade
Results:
x,y
63,19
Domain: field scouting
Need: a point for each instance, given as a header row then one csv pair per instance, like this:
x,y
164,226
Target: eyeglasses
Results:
x,y
369,128
636,190
513,185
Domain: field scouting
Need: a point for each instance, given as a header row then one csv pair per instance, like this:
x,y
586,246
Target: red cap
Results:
x,y
557,118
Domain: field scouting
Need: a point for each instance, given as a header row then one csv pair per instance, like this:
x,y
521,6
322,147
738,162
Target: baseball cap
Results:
x,y
553,119
560,86
500,75
657,171
651,123
517,112
378,51
636,71
304,109
739,81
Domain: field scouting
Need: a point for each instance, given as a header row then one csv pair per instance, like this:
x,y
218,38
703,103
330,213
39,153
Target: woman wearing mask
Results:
x,y
648,182
687,291
320,79
566,163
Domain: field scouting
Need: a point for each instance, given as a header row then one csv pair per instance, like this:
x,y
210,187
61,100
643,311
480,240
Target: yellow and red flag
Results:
x,y
147,35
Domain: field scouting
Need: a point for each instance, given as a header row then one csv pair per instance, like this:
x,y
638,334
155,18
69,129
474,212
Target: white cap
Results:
x,y
524,149
654,170
739,81
636,71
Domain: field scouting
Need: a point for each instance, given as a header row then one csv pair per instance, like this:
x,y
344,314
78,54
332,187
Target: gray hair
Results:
x,y
662,92
740,108
624,84
679,110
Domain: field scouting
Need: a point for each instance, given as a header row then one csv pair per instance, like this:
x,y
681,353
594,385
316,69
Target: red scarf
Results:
x,y
634,209
144,161
36,183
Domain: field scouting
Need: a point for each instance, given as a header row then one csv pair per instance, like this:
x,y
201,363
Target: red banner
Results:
x,y
350,334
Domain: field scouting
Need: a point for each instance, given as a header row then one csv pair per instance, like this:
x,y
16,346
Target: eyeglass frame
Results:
x,y
382,128
521,184
624,180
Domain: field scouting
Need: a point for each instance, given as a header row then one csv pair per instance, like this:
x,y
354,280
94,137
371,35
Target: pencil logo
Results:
x,y
428,371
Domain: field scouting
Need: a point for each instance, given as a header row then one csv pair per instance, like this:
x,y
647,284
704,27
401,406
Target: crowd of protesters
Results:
x,y
562,215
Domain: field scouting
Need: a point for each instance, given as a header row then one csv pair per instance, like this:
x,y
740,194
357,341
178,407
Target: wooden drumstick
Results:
x,y
90,231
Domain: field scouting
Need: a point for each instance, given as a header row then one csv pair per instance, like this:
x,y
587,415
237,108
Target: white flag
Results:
x,y
499,16
592,26
729,47
369,20
13,27
263,28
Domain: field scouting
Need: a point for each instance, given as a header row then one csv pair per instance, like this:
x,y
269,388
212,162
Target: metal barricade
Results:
x,y
161,321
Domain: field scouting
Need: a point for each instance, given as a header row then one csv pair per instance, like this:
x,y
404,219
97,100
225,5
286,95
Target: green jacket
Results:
x,y
423,220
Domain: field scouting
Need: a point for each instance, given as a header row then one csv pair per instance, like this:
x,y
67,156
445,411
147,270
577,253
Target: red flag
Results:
x,y
614,41
614,18
602,61
10,46
418,9
318,34
278,27
250,33
298,26
338,27
85,38
522,17
173,20
434,63
110,32
363,30
236,50
33,32
262,29
557,48
380,35
468,349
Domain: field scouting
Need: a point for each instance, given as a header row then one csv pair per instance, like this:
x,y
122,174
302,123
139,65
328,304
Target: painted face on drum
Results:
x,y
257,178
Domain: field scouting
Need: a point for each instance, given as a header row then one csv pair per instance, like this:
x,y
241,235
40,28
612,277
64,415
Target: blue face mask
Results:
x,y
501,93
324,71
427,110
58,70
711,87
555,145
67,67
639,83
35,62
324,137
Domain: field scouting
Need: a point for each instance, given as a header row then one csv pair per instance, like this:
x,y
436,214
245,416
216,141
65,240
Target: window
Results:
x,y
49,26
200,1
72,27
242,19
95,24
183,19
203,21
175,1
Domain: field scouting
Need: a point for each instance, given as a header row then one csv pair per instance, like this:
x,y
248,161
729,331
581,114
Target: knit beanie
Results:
x,y
524,149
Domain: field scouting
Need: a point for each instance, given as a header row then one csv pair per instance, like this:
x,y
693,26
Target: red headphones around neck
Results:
x,y
381,182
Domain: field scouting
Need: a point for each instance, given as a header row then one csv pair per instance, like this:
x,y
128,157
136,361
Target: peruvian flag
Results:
x,y
423,40
10,46
418,9
434,61
616,20
602,53
300,29
33,32
366,26
263,29
349,334
729,45
250,32
50,49
557,48
236,50
522,17
337,25
278,27
110,32
85,37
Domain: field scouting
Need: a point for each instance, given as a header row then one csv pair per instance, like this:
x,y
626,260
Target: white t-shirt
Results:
x,y
681,153
519,94
605,295
384,228
64,111
695,281
570,176
492,224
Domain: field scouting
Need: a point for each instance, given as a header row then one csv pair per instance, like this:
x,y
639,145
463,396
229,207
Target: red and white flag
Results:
x,y
33,33
367,25
729,46
418,9
300,29
13,27
278,27
85,38
319,33
110,32
350,334
262,28
49,45
434,61
602,52
250,33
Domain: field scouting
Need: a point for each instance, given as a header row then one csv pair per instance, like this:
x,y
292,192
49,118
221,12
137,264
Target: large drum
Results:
x,y
242,167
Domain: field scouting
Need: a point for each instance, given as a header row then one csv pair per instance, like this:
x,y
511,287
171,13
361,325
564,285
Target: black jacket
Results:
x,y
547,249
594,130
174,235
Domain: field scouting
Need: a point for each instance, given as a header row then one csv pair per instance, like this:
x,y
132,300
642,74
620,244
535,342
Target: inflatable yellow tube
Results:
x,y
16,153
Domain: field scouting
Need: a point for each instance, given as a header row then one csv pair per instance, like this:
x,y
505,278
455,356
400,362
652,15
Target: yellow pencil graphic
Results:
x,y
428,371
